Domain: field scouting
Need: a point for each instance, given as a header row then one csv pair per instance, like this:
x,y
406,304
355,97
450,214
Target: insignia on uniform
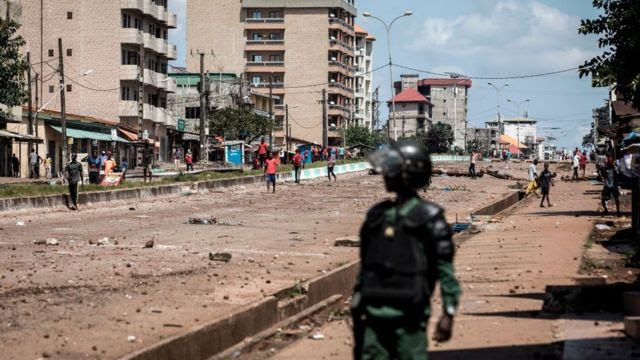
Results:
x,y
388,232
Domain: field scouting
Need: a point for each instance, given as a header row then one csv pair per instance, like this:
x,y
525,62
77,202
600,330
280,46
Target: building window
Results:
x,y
257,36
192,112
274,36
257,15
69,15
275,15
126,20
277,79
51,89
126,93
69,88
256,79
257,58
50,52
69,52
274,58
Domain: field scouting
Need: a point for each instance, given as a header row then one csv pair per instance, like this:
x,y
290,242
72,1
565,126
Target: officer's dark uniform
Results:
x,y
406,248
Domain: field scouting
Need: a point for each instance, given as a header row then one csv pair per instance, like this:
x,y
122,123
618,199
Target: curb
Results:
x,y
220,335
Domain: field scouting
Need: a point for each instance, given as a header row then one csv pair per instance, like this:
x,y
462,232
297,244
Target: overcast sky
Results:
x,y
486,38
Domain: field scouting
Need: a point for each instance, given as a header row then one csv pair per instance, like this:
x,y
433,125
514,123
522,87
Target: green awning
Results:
x,y
87,134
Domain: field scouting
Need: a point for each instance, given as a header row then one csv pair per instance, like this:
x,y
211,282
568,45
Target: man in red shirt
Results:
x,y
314,151
262,152
297,164
270,170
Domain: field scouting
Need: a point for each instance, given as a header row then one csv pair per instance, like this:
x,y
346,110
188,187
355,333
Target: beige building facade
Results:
x,y
292,49
363,115
101,49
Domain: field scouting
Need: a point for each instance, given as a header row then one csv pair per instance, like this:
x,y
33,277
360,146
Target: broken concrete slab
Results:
x,y
348,241
631,303
220,256
632,326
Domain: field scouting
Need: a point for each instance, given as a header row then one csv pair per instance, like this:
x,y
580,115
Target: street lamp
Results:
x,y
393,101
518,105
500,129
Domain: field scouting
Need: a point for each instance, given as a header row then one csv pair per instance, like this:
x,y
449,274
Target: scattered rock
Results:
x,y
317,336
603,227
103,242
149,244
132,208
52,241
348,241
20,223
131,338
225,257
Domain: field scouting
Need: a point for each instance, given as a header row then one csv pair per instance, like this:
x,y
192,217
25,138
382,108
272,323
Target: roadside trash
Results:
x,y
349,241
132,208
226,257
20,223
149,244
202,221
317,336
131,338
52,241
103,242
602,227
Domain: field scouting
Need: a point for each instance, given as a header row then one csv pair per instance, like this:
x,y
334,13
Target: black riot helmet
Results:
x,y
405,165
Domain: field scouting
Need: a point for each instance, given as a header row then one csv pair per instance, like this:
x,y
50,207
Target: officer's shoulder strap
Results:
x,y
423,213
378,210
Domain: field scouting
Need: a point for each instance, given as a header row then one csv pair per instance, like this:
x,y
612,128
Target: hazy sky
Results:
x,y
486,38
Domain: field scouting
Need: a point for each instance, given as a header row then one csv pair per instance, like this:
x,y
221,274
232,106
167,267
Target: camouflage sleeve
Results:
x,y
449,286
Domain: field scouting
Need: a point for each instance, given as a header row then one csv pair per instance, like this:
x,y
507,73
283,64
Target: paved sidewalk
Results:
x,y
504,271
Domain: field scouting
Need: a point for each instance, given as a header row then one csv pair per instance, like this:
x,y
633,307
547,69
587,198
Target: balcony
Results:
x,y
148,8
135,36
263,88
172,21
172,51
129,72
339,24
263,23
264,66
359,92
265,45
340,89
340,46
336,66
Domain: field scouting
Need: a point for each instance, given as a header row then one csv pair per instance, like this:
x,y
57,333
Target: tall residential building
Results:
x,y
363,113
523,130
102,42
449,99
293,49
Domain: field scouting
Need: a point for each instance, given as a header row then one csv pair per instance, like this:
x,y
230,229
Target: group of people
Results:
x,y
106,163
579,162
35,160
542,181
179,155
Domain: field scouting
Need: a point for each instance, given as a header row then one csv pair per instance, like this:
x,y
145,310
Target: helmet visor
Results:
x,y
387,162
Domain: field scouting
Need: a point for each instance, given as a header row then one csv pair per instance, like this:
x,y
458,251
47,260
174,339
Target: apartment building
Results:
x,y
449,99
363,113
291,49
412,114
522,129
102,43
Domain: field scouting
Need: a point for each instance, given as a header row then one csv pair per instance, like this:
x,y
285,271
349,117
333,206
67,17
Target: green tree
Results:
x,y
12,67
587,140
618,65
439,138
477,146
361,135
240,124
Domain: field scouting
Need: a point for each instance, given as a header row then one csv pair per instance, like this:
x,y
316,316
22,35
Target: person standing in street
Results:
x,y
124,166
583,162
341,152
74,174
331,163
94,165
297,164
325,154
270,170
147,161
472,165
176,159
532,176
575,164
188,159
109,164
34,163
47,166
262,152
406,248
610,188
15,165
546,181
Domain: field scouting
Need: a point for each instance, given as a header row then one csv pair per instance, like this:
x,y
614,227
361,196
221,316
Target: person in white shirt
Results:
x,y
532,176
576,164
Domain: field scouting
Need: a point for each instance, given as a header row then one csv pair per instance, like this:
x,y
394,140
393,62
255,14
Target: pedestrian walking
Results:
x,y
532,176
331,163
314,152
406,248
297,164
270,170
341,152
325,154
262,152
583,162
610,188
575,164
124,166
94,165
34,163
545,181
306,157
15,165
74,175
188,159
472,165
176,159
47,166
147,161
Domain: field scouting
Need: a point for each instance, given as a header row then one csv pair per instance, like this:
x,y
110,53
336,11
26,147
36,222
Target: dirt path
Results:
x,y
504,271
80,300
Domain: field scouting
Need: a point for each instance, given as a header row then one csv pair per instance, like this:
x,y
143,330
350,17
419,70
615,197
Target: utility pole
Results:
x,y
141,90
375,110
30,130
271,110
35,119
63,114
201,90
403,122
286,130
325,121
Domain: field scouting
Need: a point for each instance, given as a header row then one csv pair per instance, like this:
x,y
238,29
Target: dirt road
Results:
x,y
504,271
80,299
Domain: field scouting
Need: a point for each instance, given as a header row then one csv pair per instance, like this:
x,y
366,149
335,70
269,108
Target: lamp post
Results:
x,y
498,88
518,105
388,28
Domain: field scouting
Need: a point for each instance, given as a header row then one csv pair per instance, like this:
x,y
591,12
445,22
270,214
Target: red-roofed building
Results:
x,y
413,113
449,100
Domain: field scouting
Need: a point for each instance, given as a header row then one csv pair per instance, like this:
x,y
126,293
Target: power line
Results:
x,y
491,77
302,126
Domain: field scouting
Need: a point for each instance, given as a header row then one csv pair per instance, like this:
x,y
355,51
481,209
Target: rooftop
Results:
x,y
409,96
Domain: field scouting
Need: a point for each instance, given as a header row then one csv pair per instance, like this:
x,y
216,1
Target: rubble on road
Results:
x,y
49,241
149,244
347,241
204,221
225,257
456,173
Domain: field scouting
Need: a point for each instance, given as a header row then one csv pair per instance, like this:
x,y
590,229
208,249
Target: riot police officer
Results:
x,y
406,247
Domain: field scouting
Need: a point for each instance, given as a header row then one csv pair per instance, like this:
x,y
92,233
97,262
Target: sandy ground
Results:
x,y
504,271
79,300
